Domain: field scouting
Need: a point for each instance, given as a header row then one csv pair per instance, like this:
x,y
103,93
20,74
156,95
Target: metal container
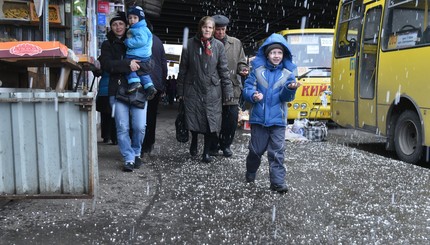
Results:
x,y
48,144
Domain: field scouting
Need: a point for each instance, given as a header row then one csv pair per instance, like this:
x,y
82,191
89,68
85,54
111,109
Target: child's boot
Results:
x,y
150,92
133,87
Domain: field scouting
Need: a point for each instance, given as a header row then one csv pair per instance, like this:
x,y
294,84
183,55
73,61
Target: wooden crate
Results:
x,y
15,10
54,13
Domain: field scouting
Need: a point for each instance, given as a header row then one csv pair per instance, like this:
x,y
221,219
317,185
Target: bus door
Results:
x,y
367,68
343,71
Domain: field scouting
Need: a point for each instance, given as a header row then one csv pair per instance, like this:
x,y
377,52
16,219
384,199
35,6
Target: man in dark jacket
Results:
x,y
158,76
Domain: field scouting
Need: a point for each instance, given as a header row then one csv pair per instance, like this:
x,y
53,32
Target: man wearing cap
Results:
x,y
237,66
268,88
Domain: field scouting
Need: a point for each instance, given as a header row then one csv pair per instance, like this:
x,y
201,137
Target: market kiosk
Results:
x,y
48,126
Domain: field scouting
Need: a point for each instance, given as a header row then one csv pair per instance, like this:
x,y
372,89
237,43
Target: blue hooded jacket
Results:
x,y
139,40
272,82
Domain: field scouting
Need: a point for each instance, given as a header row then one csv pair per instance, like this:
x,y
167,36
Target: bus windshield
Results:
x,y
311,53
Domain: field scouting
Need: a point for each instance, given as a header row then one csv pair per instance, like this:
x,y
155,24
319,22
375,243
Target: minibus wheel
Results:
x,y
408,137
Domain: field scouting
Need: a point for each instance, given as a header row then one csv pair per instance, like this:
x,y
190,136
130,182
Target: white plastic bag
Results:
x,y
299,126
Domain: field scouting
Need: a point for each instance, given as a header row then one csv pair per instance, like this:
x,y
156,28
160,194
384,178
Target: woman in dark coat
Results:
x,y
203,82
113,62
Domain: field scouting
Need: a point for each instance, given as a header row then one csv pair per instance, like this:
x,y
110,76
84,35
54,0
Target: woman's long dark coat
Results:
x,y
204,82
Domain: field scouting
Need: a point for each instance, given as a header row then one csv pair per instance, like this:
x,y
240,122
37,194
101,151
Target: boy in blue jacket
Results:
x,y
139,47
268,88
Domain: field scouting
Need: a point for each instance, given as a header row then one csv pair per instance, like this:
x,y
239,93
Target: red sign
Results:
x,y
103,7
313,90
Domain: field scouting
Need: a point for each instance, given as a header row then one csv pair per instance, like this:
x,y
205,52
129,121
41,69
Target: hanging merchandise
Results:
x,y
79,8
79,27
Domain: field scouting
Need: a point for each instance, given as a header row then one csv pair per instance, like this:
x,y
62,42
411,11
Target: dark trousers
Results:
x,y
151,124
171,94
108,128
271,139
230,114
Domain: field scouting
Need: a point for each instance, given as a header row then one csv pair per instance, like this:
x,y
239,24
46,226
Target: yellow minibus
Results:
x,y
379,74
312,53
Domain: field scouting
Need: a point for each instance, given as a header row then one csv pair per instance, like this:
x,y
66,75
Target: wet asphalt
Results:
x,y
345,190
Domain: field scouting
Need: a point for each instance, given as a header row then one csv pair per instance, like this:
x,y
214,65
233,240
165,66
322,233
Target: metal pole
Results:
x,y
45,36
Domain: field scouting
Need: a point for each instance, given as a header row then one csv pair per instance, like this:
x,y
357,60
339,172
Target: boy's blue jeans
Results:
x,y
129,148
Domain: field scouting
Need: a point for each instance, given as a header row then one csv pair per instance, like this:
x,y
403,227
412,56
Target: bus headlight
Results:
x,y
303,106
296,106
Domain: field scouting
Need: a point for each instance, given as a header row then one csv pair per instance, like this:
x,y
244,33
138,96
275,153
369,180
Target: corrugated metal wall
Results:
x,y
48,144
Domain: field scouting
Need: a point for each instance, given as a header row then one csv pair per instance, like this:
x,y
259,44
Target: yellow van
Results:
x,y
312,53
380,80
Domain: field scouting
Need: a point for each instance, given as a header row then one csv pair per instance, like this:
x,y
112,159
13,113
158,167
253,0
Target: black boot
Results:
x,y
150,92
193,146
227,152
206,157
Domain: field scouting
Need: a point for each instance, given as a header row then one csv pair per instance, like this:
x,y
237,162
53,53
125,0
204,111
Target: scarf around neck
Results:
x,y
207,45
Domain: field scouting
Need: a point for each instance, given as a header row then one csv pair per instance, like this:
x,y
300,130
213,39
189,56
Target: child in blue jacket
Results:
x,y
139,47
268,88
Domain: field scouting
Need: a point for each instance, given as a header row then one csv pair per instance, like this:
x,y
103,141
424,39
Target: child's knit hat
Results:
x,y
136,10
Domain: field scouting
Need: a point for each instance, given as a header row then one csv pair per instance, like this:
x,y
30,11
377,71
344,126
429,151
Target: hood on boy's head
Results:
x,y
278,39
274,39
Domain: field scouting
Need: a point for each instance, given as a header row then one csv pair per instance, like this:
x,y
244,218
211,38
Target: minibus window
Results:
x,y
346,42
405,25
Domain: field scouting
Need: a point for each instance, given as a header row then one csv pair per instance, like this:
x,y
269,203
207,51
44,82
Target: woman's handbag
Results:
x,y
137,99
182,133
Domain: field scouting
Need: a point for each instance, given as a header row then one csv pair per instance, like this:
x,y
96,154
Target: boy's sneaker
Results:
x,y
279,188
137,162
150,92
128,167
133,87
